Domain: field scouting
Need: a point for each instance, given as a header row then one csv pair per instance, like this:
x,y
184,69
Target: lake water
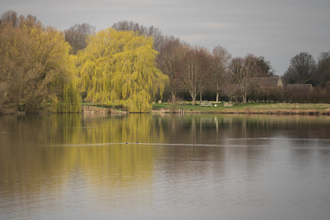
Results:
x,y
73,166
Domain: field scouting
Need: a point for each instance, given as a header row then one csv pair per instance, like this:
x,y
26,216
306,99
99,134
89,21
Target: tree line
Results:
x,y
194,71
45,69
130,65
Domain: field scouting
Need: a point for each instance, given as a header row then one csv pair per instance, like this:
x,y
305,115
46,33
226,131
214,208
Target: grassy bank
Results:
x,y
249,108
219,108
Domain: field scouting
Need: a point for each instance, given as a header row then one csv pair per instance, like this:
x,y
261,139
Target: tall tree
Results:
x,y
76,36
118,67
168,61
10,16
219,68
265,68
323,68
35,66
241,72
302,68
194,70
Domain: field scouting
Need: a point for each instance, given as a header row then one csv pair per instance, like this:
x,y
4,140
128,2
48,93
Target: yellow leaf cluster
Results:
x,y
118,67
36,68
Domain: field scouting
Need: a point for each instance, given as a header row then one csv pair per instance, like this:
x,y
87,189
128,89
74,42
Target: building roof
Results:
x,y
299,86
268,81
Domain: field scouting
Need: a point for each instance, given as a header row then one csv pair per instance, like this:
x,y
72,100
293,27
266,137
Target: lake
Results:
x,y
140,166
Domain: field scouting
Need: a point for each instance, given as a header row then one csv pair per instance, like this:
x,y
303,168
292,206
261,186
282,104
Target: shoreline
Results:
x,y
255,109
247,112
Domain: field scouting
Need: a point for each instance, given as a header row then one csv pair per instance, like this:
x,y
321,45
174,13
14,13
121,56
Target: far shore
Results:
x,y
217,108
249,108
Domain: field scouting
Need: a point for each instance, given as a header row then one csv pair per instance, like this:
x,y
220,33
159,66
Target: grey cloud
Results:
x,y
277,30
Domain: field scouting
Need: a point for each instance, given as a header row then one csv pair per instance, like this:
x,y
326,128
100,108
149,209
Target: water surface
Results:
x,y
72,166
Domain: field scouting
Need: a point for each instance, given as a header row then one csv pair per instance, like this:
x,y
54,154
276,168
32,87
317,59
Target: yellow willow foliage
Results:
x,y
69,100
62,65
36,68
119,68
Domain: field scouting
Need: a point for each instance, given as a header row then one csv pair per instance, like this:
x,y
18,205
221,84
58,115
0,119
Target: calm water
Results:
x,y
183,167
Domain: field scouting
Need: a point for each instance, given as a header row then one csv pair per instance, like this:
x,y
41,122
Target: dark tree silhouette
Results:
x,y
301,70
323,69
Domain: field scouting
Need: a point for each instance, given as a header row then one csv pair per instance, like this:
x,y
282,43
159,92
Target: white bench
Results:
x,y
227,104
206,104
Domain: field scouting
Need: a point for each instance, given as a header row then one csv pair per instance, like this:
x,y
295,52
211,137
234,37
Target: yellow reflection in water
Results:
x,y
54,155
46,159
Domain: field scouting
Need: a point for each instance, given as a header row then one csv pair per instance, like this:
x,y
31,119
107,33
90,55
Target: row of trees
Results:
x,y
127,64
189,69
42,67
195,70
304,69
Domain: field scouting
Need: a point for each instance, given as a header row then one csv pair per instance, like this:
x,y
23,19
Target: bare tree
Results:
x,y
29,22
77,34
241,72
142,30
230,90
10,16
168,61
194,70
302,68
219,67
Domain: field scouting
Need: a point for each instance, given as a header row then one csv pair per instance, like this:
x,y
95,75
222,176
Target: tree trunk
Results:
x,y
201,96
217,98
173,97
193,95
244,99
193,100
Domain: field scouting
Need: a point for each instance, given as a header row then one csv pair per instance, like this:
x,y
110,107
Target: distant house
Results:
x,y
267,82
299,87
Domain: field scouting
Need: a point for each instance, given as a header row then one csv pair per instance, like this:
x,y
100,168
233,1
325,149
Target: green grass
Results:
x,y
254,107
219,108
259,108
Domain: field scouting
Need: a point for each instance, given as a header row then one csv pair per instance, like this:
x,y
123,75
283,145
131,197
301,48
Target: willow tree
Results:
x,y
35,67
118,68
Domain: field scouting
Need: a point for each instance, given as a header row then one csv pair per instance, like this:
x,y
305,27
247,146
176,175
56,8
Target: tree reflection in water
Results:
x,y
53,162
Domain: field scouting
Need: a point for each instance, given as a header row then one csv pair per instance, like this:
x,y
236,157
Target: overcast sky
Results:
x,y
277,30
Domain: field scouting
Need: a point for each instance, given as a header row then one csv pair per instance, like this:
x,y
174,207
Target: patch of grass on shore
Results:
x,y
248,107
